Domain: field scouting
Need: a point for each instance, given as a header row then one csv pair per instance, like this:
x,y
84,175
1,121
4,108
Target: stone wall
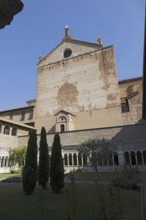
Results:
x,y
126,137
84,85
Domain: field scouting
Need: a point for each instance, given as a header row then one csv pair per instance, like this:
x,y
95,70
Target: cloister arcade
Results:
x,y
4,161
131,158
75,159
135,158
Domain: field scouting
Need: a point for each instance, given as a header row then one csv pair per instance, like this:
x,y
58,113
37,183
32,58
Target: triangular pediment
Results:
x,y
68,49
62,112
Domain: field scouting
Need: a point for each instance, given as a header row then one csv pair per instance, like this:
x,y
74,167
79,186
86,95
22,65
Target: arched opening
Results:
x,y
75,159
14,131
3,162
6,130
116,159
62,128
6,162
139,158
133,158
127,158
65,160
70,159
0,128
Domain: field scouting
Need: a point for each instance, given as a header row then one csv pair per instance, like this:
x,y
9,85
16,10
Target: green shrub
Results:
x,y
127,179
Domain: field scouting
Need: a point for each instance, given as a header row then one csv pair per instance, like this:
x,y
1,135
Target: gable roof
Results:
x,y
93,46
64,112
19,125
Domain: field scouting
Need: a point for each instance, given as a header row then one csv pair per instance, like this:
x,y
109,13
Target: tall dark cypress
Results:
x,y
43,171
56,166
30,169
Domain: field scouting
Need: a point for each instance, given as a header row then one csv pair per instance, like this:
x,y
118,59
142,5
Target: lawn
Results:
x,y
104,176
80,201
6,175
92,175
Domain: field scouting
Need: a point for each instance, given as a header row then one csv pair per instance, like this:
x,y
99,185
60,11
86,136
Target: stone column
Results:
x,y
10,131
113,160
130,159
136,160
72,155
77,159
2,131
121,157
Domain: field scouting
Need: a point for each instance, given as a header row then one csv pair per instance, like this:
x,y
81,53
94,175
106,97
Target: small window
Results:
x,y
11,116
23,116
63,119
125,105
31,114
6,130
67,53
14,131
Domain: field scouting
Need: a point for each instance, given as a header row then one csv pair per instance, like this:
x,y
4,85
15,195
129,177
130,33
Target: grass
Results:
x,y
7,175
82,203
93,175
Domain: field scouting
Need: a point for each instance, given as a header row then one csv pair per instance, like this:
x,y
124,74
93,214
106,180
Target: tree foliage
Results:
x,y
17,155
30,169
43,170
97,151
56,166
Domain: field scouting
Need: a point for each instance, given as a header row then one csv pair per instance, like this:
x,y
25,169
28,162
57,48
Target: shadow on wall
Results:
x,y
131,144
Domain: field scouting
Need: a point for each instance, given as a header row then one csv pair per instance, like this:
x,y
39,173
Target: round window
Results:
x,y
67,53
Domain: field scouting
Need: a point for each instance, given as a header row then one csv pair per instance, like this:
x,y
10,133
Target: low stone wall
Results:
x,y
5,170
125,137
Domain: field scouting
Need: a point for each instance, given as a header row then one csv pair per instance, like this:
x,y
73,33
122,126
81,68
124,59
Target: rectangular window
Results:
x,y
11,116
23,116
31,114
124,105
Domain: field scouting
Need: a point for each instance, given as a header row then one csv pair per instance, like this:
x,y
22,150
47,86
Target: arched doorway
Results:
x,y
139,158
62,128
133,158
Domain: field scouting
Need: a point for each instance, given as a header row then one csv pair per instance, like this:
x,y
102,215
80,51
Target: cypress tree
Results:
x,y
43,171
56,166
30,169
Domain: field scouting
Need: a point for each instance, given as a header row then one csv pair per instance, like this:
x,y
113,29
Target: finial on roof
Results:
x,y
67,34
99,41
40,58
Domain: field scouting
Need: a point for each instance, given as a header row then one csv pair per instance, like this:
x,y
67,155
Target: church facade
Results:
x,y
79,96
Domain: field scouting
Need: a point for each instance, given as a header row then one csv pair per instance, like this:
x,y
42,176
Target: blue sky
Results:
x,y
40,27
